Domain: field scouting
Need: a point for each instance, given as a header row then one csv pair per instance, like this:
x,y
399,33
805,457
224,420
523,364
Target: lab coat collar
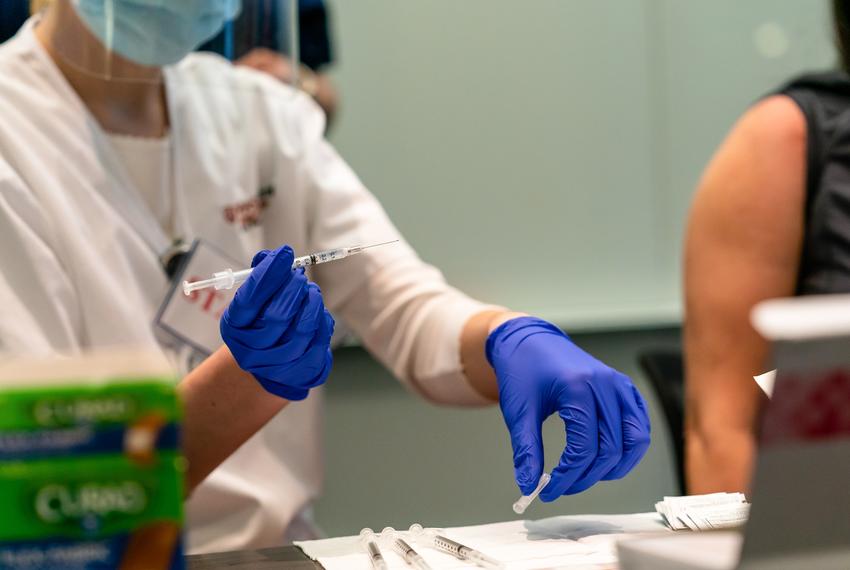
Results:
x,y
116,187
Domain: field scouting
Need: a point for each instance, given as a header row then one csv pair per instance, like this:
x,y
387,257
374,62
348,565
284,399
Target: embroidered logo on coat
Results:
x,y
249,214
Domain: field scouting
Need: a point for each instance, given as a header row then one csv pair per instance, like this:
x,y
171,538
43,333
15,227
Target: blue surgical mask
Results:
x,y
155,32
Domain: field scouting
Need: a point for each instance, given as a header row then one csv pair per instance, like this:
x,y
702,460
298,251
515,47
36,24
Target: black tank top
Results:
x,y
825,100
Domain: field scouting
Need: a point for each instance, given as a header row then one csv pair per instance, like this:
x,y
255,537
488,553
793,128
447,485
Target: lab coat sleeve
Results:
x,y
38,308
403,310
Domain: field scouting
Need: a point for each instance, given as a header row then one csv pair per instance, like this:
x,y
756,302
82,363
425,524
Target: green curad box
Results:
x,y
91,474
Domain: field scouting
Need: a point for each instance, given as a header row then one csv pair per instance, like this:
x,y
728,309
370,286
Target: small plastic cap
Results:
x,y
416,529
367,533
388,532
521,505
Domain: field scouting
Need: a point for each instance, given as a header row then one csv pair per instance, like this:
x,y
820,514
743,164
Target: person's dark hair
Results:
x,y
841,20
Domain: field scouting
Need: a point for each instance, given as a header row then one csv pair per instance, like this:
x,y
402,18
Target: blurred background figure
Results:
x,y
771,218
262,49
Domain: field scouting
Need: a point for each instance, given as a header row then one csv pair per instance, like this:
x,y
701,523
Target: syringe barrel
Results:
x,y
320,257
367,537
375,556
410,556
447,545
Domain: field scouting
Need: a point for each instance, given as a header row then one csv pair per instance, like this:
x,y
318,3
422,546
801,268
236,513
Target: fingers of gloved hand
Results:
x,y
259,256
643,415
269,276
257,338
289,301
269,328
294,393
331,323
636,429
605,387
303,371
326,370
524,421
304,327
582,431
265,346
312,316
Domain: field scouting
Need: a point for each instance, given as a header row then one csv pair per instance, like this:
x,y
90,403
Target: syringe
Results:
x,y
413,558
456,549
228,278
367,537
523,502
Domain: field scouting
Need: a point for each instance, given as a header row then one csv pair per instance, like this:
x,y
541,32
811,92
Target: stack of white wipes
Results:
x,y
704,512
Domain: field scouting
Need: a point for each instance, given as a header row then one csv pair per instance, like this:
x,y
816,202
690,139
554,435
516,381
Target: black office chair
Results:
x,y
666,372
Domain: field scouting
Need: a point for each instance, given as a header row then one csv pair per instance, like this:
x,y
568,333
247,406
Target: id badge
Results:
x,y
193,320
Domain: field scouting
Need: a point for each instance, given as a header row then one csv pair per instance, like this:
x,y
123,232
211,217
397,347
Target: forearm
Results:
x,y
472,350
722,404
224,406
722,401
719,459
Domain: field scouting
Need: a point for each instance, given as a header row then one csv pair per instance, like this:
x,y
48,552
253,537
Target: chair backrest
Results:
x,y
666,373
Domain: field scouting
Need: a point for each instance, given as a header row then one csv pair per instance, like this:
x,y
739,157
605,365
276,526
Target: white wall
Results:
x,y
543,153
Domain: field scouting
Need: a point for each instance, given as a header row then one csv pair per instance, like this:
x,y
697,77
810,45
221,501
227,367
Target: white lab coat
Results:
x,y
79,254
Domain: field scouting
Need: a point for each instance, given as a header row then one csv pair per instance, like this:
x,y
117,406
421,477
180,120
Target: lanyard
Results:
x,y
119,192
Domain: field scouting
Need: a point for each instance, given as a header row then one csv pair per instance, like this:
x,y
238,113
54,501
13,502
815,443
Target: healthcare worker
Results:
x,y
118,142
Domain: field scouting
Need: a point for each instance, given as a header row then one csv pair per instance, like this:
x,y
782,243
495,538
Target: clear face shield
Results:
x,y
131,40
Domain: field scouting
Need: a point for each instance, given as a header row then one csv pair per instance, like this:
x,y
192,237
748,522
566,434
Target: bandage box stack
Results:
x,y
91,473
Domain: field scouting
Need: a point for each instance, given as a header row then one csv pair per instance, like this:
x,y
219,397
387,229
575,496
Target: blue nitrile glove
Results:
x,y
540,371
277,327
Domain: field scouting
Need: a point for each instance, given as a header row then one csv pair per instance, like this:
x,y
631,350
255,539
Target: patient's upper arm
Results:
x,y
743,245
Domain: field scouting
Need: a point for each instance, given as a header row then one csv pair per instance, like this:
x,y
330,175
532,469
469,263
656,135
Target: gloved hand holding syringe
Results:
x,y
228,278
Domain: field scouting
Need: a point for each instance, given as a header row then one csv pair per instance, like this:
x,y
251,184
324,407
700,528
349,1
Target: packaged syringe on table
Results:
x,y
91,473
